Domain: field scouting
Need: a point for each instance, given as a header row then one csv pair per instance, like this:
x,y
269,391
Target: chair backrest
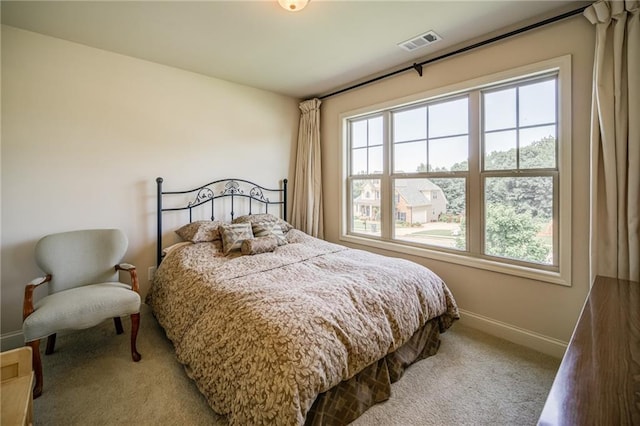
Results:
x,y
78,258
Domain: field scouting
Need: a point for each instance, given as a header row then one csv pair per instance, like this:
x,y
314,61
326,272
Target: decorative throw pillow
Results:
x,y
263,229
233,235
201,231
264,217
259,245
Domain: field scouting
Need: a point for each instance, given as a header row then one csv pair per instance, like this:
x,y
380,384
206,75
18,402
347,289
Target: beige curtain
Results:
x,y
615,140
306,213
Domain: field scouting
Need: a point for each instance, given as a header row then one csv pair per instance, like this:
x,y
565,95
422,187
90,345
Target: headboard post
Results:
x,y
284,198
159,221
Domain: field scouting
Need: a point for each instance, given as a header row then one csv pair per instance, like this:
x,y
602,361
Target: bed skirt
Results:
x,y
345,402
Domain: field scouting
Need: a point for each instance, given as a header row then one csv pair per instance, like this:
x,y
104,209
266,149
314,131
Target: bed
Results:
x,y
303,331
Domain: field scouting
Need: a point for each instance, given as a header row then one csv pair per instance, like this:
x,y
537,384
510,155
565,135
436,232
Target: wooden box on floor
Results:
x,y
16,387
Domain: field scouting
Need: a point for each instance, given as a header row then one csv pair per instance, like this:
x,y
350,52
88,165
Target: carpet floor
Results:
x,y
474,379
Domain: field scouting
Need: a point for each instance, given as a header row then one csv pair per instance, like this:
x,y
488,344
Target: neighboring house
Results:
x,y
417,201
367,204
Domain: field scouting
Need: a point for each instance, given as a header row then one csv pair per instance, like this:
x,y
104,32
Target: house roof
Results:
x,y
413,191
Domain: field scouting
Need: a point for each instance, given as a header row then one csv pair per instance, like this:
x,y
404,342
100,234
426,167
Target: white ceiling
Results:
x,y
324,47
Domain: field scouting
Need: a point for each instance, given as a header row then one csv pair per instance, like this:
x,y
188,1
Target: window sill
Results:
x,y
464,260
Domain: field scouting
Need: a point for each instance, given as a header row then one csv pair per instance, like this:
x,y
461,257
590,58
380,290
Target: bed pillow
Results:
x,y
264,217
259,245
201,231
233,235
172,247
264,229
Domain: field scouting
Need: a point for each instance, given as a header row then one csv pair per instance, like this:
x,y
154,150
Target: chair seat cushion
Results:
x,y
79,308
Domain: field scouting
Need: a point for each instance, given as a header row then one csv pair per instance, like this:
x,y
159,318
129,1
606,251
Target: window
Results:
x,y
519,130
472,175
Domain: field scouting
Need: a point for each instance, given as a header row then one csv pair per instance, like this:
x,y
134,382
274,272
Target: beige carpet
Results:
x,y
475,379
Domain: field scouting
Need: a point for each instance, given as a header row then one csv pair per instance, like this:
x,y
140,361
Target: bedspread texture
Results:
x,y
263,335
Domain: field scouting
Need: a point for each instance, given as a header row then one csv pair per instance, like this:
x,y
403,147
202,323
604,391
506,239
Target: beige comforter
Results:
x,y
263,335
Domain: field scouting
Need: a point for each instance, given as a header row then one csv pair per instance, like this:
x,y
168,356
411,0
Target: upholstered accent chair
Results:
x,y
82,271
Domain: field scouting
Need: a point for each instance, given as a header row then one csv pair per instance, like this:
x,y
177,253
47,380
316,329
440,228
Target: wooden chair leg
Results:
x,y
118,322
37,367
135,324
51,344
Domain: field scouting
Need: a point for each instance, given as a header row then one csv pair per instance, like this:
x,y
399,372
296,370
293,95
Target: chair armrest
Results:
x,y
27,307
125,267
132,271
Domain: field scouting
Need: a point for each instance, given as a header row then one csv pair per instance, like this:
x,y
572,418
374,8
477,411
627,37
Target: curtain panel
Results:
x,y
306,214
615,140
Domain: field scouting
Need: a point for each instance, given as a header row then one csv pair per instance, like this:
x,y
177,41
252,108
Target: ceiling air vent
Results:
x,y
422,40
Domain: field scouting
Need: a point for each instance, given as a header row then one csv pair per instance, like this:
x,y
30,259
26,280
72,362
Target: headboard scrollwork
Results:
x,y
229,189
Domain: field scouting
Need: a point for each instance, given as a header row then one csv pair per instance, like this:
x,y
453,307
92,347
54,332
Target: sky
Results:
x,y
528,112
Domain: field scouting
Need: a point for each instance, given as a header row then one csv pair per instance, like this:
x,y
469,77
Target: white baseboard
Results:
x,y
11,340
545,344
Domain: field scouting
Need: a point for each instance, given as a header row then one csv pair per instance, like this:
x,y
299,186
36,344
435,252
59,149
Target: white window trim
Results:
x,y
564,274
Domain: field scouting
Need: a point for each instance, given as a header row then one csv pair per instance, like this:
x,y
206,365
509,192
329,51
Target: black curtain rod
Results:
x,y
418,66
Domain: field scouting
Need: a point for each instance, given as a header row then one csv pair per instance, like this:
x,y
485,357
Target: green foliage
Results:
x,y
460,167
539,155
356,189
454,191
453,188
463,166
532,195
512,235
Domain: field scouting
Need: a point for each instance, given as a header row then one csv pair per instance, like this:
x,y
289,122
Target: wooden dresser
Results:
x,y
598,382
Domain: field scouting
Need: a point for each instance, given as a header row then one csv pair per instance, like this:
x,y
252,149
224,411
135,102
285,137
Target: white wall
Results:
x,y
85,133
538,314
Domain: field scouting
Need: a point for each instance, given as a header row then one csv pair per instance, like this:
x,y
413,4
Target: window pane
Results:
x,y
410,157
449,154
449,118
538,103
500,150
358,133
519,218
375,160
500,109
359,161
366,213
430,211
538,147
375,131
410,125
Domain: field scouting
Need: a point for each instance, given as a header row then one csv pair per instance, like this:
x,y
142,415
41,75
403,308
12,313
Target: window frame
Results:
x,y
474,195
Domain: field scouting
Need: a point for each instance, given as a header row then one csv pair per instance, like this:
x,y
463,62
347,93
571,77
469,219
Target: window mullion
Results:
x,y
427,160
556,218
386,190
518,128
474,184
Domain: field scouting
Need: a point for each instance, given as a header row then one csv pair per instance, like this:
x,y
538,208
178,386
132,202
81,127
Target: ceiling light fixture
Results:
x,y
293,5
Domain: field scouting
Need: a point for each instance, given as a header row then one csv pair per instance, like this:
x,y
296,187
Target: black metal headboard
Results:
x,y
222,188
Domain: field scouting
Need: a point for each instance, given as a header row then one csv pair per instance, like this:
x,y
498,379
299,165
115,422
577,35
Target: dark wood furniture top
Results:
x,y
598,382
